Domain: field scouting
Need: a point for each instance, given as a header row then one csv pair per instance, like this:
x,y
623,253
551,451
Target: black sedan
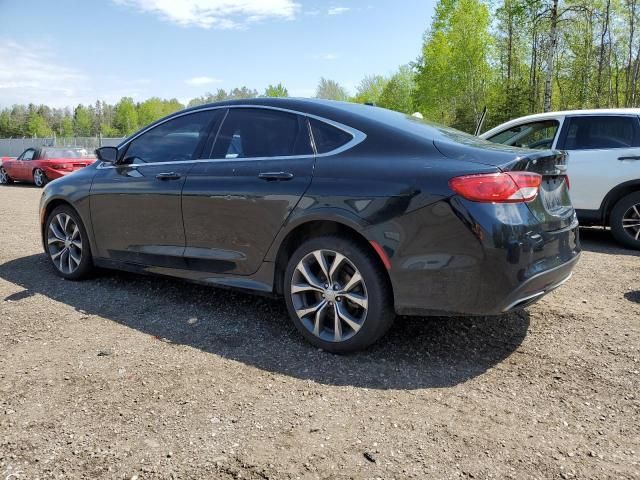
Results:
x,y
351,212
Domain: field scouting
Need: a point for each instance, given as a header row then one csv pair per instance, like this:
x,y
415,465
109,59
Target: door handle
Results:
x,y
636,157
168,176
275,176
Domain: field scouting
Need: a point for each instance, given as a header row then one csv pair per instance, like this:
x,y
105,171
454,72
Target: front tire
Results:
x,y
67,244
625,220
5,179
338,295
39,178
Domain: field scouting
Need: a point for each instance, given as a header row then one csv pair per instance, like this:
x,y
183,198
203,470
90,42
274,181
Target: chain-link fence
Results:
x,y
12,147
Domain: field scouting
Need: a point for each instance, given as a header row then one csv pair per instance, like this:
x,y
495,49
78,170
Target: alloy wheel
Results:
x,y
631,221
4,178
329,295
64,243
38,177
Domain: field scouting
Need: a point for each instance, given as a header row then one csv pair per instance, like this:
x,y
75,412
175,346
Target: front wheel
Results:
x,y
338,295
625,220
67,244
5,179
39,178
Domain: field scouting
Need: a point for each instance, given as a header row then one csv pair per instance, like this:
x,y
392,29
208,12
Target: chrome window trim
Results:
x,y
357,136
104,165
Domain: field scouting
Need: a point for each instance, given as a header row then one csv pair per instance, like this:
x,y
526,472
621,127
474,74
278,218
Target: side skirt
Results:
x,y
260,283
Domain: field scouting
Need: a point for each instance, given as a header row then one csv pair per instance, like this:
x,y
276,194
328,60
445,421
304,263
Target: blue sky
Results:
x,y
66,52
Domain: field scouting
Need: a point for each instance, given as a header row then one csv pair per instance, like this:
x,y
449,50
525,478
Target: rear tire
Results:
x,y
625,220
39,178
5,179
343,307
67,244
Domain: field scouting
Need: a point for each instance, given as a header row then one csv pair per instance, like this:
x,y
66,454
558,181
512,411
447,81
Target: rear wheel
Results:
x,y
4,177
67,244
625,220
39,178
338,295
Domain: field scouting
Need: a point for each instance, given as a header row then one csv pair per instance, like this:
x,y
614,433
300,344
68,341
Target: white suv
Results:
x,y
603,149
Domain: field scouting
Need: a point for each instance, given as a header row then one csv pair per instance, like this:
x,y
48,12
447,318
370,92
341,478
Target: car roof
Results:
x,y
562,113
355,115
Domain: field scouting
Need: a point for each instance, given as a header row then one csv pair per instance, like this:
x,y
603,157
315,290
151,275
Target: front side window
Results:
x,y
171,141
257,133
598,132
327,137
537,135
27,155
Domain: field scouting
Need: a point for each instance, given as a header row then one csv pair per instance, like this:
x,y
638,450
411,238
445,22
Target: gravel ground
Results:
x,y
125,376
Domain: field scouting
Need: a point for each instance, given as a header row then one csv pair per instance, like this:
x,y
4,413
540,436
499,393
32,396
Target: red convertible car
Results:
x,y
40,165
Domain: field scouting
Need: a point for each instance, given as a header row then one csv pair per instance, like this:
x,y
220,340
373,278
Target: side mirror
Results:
x,y
107,154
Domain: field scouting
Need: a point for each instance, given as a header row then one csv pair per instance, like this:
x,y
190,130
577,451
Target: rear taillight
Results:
x,y
509,187
566,180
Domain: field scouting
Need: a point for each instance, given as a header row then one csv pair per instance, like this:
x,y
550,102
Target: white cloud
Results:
x,y
32,74
338,10
223,14
325,56
199,81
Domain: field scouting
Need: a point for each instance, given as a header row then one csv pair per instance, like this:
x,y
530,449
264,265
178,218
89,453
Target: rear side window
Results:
x,y
537,135
587,133
256,133
171,141
327,137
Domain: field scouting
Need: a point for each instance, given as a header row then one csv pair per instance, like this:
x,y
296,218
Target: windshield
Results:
x,y
65,153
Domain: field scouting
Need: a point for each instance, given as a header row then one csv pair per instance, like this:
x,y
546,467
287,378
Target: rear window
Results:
x,y
327,137
598,132
537,135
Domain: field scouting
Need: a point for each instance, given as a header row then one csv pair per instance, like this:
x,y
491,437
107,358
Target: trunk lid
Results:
x,y
552,207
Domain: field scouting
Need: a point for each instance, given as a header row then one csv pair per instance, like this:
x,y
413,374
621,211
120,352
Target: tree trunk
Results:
x,y
551,53
629,84
605,29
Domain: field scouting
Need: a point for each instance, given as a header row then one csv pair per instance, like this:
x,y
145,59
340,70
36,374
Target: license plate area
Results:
x,y
553,195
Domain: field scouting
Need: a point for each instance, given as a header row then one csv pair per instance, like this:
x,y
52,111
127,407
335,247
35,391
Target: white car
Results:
x,y
603,148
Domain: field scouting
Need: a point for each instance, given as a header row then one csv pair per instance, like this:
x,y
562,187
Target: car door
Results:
x,y
603,152
22,167
234,204
136,204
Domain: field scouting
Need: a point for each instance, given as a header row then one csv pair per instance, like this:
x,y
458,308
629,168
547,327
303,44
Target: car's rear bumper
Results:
x,y
53,174
483,260
539,285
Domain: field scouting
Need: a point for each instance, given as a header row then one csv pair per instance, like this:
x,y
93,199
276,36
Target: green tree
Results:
x,y
37,126
398,92
150,110
66,127
276,91
370,89
9,126
82,122
125,117
454,72
331,90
